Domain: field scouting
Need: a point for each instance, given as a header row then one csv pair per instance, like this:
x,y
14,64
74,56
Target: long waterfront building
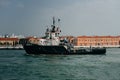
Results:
x,y
80,41
98,41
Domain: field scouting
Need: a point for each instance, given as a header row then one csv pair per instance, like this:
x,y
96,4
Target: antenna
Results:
x,y
58,22
53,21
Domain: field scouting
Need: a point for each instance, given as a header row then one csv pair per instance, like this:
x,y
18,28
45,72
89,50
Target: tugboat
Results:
x,y
51,44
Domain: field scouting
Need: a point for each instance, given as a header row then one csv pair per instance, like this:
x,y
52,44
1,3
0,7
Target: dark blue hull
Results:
x,y
38,49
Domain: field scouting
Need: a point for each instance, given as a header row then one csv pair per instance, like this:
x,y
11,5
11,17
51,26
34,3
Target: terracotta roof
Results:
x,y
9,39
98,37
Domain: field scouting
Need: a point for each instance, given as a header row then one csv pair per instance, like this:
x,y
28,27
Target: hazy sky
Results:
x,y
78,17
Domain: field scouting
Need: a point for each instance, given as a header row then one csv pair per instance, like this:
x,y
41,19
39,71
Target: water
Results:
x,y
17,65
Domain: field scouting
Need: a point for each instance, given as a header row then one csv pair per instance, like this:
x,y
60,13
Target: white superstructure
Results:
x,y
51,35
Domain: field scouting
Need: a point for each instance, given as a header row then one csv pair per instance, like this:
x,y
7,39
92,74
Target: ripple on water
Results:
x,y
16,65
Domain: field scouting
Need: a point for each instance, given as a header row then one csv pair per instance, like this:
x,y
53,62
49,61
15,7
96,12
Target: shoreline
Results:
x,y
11,48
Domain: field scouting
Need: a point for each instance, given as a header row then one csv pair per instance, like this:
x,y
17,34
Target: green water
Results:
x,y
17,65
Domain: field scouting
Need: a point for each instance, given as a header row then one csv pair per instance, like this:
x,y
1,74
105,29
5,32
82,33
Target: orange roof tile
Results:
x,y
9,39
98,37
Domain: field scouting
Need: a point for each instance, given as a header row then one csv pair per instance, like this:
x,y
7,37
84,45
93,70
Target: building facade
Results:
x,y
70,39
34,40
9,41
80,41
95,41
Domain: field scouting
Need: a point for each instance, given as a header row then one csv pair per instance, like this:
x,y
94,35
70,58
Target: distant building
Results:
x,y
80,41
9,41
95,41
29,40
34,40
69,38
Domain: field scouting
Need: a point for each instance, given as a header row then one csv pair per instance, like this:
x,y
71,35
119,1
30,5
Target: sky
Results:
x,y
77,17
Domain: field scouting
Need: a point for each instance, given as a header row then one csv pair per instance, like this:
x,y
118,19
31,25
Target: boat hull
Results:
x,y
39,49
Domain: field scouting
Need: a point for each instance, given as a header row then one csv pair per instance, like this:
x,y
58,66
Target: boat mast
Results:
x,y
53,21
